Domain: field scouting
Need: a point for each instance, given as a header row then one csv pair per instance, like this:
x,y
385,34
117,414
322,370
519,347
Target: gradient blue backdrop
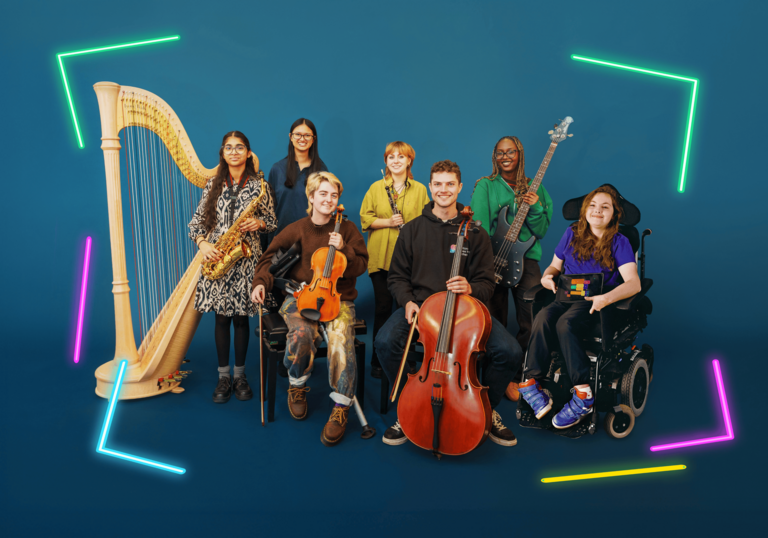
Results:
x,y
450,78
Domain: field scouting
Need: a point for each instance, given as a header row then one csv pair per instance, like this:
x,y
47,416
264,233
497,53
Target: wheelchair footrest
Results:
x,y
527,419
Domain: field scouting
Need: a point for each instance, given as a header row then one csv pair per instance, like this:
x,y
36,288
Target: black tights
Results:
x,y
242,333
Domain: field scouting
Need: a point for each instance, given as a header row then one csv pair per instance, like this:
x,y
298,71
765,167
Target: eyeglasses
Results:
x,y
239,149
500,154
299,136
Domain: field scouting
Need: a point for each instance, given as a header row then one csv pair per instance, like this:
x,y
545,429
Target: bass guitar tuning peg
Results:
x,y
550,132
570,135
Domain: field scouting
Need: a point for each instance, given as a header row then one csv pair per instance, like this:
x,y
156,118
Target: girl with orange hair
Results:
x,y
377,217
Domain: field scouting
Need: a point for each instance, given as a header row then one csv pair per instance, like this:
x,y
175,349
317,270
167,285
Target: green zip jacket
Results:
x,y
491,194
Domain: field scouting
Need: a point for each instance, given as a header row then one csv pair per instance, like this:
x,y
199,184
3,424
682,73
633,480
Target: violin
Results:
x,y
319,301
443,407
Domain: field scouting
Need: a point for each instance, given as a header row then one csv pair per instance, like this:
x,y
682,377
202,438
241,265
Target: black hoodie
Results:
x,y
422,260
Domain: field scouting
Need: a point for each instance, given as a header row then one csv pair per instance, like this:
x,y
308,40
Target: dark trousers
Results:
x,y
561,327
499,303
503,355
383,302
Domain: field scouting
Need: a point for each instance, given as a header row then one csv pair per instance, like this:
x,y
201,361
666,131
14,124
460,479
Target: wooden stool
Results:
x,y
275,333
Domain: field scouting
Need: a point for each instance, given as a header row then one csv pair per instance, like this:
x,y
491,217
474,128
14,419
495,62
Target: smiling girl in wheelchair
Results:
x,y
590,250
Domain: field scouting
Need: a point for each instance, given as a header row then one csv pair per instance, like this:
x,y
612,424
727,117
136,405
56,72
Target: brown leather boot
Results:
x,y
297,402
513,392
335,427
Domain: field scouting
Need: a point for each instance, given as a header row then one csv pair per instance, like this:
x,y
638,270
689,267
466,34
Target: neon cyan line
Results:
x,y
101,448
726,418
83,288
613,473
691,108
90,51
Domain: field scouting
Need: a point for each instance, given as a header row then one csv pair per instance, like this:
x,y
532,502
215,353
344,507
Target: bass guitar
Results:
x,y
508,252
319,301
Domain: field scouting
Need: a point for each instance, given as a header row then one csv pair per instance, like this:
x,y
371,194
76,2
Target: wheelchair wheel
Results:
x,y
634,386
619,426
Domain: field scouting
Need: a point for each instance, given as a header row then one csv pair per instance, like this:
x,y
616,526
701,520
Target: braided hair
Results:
x,y
521,182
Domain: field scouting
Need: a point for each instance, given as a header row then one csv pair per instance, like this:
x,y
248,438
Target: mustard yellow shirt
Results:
x,y
381,242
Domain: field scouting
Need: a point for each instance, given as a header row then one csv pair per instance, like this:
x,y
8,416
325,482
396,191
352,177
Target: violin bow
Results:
x,y
261,367
405,356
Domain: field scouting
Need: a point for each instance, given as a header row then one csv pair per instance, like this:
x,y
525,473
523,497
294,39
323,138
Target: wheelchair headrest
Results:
x,y
572,207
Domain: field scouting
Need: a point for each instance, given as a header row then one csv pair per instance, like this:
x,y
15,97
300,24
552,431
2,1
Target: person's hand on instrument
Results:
x,y
257,295
598,303
395,221
336,241
548,282
530,198
411,309
252,225
459,284
210,253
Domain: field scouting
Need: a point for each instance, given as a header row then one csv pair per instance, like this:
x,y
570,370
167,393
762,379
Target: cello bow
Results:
x,y
405,356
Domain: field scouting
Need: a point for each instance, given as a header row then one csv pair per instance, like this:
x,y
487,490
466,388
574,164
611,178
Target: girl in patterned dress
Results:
x,y
237,182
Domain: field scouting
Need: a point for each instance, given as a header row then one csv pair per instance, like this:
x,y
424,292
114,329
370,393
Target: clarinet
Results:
x,y
391,195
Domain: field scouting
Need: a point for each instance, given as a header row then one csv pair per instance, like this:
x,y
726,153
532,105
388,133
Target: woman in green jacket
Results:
x,y
383,226
508,186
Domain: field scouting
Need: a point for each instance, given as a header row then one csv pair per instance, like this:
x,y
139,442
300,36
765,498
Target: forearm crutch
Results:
x,y
261,368
405,357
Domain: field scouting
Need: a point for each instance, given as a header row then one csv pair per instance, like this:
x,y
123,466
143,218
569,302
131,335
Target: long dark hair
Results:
x,y
221,176
292,169
521,182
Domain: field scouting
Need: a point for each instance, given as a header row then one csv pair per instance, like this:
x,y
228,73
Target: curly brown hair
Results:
x,y
586,245
221,175
445,166
521,182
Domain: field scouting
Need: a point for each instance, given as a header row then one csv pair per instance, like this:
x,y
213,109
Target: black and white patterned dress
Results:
x,y
231,294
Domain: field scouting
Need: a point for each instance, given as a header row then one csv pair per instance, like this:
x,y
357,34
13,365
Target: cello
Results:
x,y
443,407
319,301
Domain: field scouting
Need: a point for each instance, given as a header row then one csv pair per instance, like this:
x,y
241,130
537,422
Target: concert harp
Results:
x,y
164,178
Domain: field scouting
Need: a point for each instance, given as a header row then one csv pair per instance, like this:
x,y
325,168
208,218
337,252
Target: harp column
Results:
x,y
125,343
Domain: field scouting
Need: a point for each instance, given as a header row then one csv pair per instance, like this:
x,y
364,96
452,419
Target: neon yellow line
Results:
x,y
691,108
613,473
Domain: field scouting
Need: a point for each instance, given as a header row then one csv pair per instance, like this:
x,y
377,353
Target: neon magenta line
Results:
x,y
726,418
83,288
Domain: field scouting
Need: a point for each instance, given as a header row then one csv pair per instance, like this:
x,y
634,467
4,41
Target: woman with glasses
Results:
x,y
288,178
508,186
377,217
237,182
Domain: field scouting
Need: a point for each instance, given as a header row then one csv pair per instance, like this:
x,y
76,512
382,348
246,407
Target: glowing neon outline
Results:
x,y
691,108
101,449
89,51
613,473
726,418
83,288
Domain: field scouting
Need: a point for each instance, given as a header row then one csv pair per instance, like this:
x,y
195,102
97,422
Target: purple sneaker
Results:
x,y
536,398
574,411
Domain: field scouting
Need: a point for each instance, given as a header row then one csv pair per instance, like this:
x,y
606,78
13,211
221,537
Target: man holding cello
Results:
x,y
341,239
421,267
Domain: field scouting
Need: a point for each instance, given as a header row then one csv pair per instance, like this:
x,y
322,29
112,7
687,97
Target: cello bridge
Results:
x,y
441,372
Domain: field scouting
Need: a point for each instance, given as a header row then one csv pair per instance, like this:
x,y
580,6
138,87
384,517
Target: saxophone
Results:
x,y
232,243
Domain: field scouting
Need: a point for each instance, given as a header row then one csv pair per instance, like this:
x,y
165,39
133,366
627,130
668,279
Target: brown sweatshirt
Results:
x,y
313,237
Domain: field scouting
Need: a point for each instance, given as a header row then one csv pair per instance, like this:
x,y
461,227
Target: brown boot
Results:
x,y
297,402
335,427
513,392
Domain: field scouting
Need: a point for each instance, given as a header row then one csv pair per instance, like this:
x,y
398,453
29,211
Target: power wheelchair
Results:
x,y
620,372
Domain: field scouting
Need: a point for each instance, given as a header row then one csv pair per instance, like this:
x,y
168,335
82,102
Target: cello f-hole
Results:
x,y
429,368
458,377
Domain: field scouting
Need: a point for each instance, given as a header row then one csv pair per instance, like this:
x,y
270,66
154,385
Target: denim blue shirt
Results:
x,y
291,202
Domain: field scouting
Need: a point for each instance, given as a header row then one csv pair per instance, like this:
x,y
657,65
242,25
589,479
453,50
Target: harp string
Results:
x,y
161,202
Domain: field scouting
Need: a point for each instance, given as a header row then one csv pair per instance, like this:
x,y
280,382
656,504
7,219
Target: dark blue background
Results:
x,y
450,78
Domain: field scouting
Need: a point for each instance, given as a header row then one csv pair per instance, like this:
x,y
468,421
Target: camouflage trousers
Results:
x,y
300,349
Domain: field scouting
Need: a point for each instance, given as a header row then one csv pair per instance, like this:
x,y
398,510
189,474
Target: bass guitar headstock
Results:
x,y
561,131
